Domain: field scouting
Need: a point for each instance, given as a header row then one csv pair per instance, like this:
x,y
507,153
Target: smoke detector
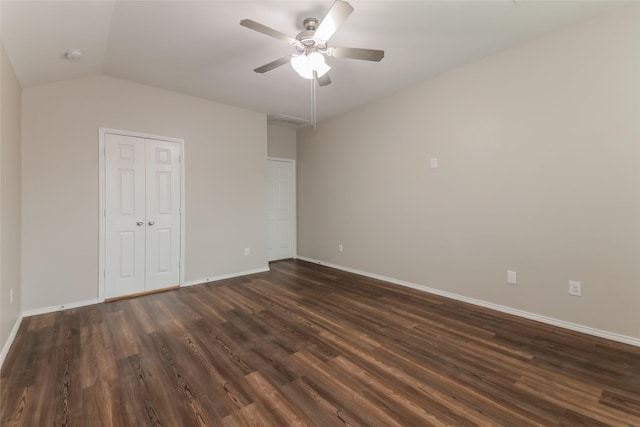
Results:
x,y
73,54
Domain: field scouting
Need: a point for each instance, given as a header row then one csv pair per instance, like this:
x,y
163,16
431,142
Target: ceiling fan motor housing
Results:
x,y
308,42
310,24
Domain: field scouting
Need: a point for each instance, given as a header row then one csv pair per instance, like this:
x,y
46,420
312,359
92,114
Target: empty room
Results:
x,y
320,213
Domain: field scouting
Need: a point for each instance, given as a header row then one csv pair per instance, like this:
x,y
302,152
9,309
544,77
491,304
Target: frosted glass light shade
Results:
x,y
305,65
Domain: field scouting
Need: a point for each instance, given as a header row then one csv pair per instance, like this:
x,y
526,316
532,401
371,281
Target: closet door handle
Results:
x,y
151,222
140,223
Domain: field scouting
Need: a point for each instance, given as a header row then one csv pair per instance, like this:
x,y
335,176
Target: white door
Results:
x,y
163,214
142,215
125,215
281,210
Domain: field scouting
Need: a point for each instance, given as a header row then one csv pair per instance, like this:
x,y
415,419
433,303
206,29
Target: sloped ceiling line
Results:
x,y
199,48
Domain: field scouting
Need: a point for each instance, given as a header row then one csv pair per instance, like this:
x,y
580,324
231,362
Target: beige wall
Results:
x,y
281,142
225,160
539,170
9,199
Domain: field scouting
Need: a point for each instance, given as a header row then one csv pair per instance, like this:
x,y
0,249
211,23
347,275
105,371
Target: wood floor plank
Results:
x,y
359,400
254,415
281,408
308,345
322,410
100,406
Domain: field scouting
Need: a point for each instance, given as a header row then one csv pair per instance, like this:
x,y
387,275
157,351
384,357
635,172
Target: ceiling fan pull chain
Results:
x,y
313,99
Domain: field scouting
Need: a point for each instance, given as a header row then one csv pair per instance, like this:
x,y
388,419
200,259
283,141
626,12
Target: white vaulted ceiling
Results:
x,y
199,48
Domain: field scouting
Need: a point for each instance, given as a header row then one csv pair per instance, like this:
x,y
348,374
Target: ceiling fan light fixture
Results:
x,y
318,64
305,65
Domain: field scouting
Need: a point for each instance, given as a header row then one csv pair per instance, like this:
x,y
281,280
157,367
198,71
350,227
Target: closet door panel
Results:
x,y
163,214
125,215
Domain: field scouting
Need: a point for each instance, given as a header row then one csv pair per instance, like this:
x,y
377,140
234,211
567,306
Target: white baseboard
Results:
x,y
504,309
12,336
51,309
225,276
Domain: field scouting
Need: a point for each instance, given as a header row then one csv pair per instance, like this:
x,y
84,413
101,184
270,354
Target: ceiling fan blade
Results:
x,y
273,64
356,53
256,26
338,13
324,80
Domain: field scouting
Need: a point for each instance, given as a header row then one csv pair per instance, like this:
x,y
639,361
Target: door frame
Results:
x,y
294,201
102,202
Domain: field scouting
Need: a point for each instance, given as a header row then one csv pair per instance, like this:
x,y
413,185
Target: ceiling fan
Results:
x,y
311,45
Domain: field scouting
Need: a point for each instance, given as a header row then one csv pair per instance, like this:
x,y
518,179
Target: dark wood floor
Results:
x,y
308,345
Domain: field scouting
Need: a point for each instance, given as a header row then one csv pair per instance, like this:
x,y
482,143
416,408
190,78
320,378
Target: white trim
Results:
x,y
28,313
140,135
294,201
501,308
225,276
10,339
183,214
102,204
101,212
54,308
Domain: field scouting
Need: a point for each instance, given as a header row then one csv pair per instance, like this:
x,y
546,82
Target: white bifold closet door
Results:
x,y
142,226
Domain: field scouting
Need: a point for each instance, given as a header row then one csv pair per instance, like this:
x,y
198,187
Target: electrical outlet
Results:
x,y
575,288
434,162
247,251
340,248
11,296
511,277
